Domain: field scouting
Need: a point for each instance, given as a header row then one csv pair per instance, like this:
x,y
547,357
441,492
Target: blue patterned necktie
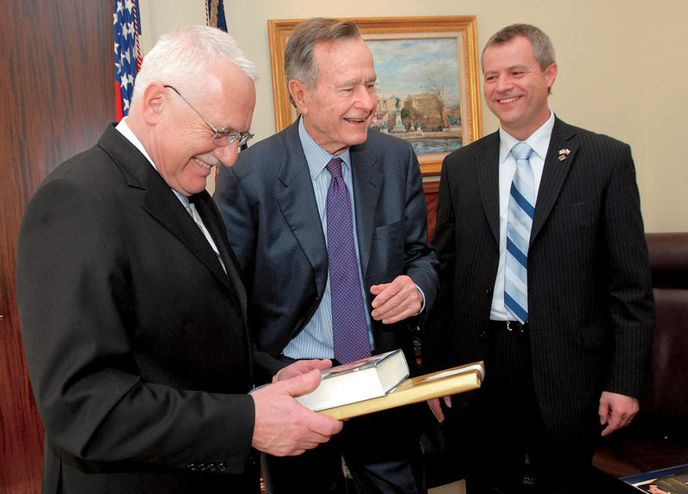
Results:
x,y
519,223
349,325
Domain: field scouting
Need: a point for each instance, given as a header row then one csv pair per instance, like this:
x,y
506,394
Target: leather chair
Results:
x,y
658,437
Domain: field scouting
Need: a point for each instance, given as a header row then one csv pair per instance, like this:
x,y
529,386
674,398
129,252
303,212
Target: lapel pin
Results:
x,y
563,154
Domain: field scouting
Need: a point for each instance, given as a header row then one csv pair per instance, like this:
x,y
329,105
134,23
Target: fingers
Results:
x,y
616,411
283,426
612,425
301,367
321,427
302,383
396,301
603,411
436,409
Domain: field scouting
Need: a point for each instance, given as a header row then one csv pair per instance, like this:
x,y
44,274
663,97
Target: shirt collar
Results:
x,y
129,135
538,140
126,131
316,156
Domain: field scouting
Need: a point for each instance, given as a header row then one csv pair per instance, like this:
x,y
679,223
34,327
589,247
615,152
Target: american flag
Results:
x,y
215,17
215,14
127,30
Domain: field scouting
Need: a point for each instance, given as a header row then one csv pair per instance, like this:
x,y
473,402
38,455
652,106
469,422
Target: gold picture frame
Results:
x,y
442,49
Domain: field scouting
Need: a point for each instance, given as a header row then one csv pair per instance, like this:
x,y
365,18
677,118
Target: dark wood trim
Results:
x,y
57,96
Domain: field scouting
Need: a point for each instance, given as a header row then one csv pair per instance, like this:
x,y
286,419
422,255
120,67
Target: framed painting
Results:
x,y
428,84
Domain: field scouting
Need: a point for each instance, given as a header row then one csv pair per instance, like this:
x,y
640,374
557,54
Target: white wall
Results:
x,y
622,69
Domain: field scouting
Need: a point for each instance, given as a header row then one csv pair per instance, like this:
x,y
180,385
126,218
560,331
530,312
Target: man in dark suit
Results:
x,y
277,203
132,308
544,276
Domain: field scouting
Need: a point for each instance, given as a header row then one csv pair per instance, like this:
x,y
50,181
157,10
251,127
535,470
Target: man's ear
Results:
x,y
154,102
298,92
551,74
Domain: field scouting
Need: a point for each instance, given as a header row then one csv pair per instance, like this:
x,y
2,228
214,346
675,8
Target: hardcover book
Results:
x,y
381,382
356,381
673,480
416,389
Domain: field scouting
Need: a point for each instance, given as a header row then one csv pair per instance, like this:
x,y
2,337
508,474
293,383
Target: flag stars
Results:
x,y
125,49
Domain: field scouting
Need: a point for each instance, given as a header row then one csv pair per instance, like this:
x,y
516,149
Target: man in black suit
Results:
x,y
558,302
275,206
132,309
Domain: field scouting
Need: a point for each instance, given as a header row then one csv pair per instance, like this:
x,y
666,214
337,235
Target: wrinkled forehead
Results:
x,y
344,59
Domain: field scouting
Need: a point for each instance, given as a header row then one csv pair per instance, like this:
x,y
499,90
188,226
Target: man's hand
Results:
x,y
282,426
616,411
301,367
396,301
436,407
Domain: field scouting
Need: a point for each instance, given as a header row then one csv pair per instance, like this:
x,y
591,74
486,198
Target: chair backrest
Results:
x,y
665,406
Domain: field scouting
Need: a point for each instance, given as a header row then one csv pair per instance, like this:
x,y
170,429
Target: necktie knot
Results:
x,y
521,151
334,166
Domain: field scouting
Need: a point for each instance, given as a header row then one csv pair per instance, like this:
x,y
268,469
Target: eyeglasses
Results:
x,y
222,137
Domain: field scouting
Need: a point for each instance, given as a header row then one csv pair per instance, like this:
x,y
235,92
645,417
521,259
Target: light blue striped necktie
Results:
x,y
519,223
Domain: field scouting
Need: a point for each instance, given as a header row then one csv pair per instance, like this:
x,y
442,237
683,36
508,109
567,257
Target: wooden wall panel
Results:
x,y
432,193
56,94
56,91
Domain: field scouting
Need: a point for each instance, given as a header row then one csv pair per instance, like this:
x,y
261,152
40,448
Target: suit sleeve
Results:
x,y
419,258
445,244
78,316
239,220
631,306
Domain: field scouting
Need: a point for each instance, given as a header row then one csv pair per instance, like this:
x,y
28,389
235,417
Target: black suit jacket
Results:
x,y
136,339
591,312
269,208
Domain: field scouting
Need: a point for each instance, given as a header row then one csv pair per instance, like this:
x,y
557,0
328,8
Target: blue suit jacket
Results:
x,y
269,208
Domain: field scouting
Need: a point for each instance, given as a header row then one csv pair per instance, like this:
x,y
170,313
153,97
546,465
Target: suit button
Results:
x,y
489,290
482,335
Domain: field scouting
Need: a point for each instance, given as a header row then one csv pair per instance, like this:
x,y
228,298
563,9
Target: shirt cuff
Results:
x,y
422,296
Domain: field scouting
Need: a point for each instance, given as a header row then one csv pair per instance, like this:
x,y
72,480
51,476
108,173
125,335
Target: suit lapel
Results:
x,y
488,180
211,219
554,173
158,199
160,202
296,199
367,181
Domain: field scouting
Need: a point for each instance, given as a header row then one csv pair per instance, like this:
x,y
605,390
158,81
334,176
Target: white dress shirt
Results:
x,y
539,142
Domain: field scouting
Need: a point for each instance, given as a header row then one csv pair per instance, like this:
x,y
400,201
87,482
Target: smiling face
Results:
x,y
338,110
516,87
178,140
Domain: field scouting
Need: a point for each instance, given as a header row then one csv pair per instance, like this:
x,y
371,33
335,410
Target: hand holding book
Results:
x,y
381,382
301,367
282,427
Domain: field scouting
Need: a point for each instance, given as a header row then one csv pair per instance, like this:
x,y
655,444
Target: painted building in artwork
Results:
x,y
421,111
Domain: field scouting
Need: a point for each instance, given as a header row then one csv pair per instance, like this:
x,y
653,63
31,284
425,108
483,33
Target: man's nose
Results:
x,y
366,98
228,153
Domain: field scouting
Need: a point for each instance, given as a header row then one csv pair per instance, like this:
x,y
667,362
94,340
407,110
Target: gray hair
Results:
x,y
182,56
299,61
542,45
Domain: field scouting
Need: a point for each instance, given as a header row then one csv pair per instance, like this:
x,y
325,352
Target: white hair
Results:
x,y
184,56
